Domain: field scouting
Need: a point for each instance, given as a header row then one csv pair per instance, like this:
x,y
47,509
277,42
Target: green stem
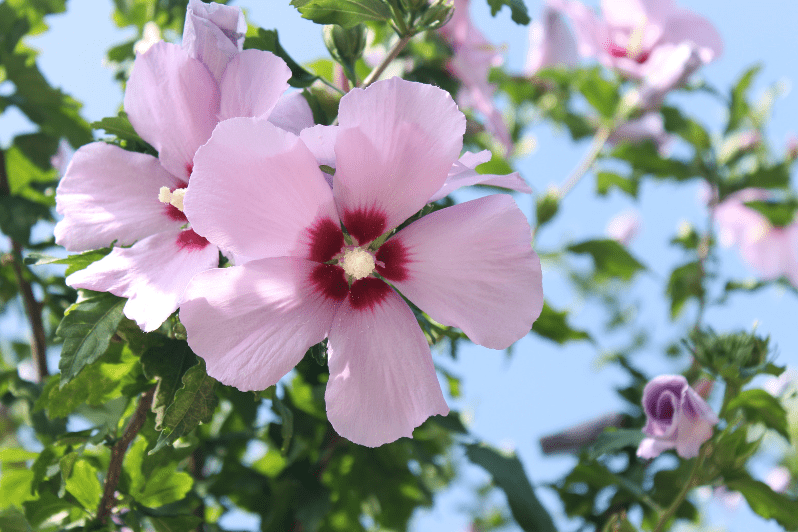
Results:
x,y
393,54
599,140
671,510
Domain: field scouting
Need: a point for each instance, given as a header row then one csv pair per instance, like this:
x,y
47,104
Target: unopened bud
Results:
x,y
437,15
547,206
414,5
345,45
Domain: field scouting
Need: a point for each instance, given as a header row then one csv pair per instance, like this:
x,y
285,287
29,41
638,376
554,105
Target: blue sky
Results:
x,y
542,388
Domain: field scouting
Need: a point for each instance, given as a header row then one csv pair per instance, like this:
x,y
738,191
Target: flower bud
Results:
x,y
676,417
414,5
345,45
437,15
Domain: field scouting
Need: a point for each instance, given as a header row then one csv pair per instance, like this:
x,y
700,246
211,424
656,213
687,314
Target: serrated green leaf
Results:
x,y
194,404
87,329
15,454
345,13
610,258
28,161
553,324
119,126
601,94
508,474
518,10
168,363
83,484
738,103
269,41
645,158
46,506
18,215
687,128
761,407
766,502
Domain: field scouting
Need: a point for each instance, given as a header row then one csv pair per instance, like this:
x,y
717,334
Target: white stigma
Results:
x,y
358,263
174,199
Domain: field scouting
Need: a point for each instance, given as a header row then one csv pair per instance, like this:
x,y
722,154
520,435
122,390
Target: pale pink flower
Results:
x,y
650,126
174,98
551,43
473,58
676,417
469,266
62,157
624,226
771,251
630,32
779,479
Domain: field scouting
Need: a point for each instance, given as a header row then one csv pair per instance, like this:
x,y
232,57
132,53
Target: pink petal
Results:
x,y
382,381
111,194
551,43
632,13
471,266
292,113
320,140
463,174
396,144
771,251
257,190
172,101
591,32
253,323
651,447
213,34
152,274
252,84
685,26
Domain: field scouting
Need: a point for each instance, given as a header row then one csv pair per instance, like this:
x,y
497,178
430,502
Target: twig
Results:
x,y
573,439
33,309
599,140
108,502
393,54
671,510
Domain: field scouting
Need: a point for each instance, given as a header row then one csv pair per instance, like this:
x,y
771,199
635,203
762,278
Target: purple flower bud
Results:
x,y
677,417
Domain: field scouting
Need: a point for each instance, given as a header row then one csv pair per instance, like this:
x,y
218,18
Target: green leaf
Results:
x,y
119,126
83,484
18,215
766,502
46,507
345,13
87,328
610,441
738,103
28,161
645,158
15,485
684,283
269,41
761,407
778,214
168,363
618,523
687,128
518,10
553,324
194,404
606,181
508,474
610,258
12,520
182,523
15,454
74,263
601,94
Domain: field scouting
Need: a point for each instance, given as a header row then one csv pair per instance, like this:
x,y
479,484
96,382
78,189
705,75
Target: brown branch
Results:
x,y
572,439
33,309
108,502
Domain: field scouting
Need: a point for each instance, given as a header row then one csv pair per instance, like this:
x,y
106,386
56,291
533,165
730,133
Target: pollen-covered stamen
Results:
x,y
357,263
174,199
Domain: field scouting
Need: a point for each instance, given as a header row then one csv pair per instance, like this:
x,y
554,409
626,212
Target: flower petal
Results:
x,y
651,447
551,43
256,190
292,113
252,84
684,25
396,144
463,174
172,101
471,266
213,34
320,140
152,274
253,323
382,381
111,194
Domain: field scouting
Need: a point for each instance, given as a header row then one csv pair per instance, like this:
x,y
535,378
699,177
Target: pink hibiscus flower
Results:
x,y
469,266
551,43
175,97
473,58
771,251
630,32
